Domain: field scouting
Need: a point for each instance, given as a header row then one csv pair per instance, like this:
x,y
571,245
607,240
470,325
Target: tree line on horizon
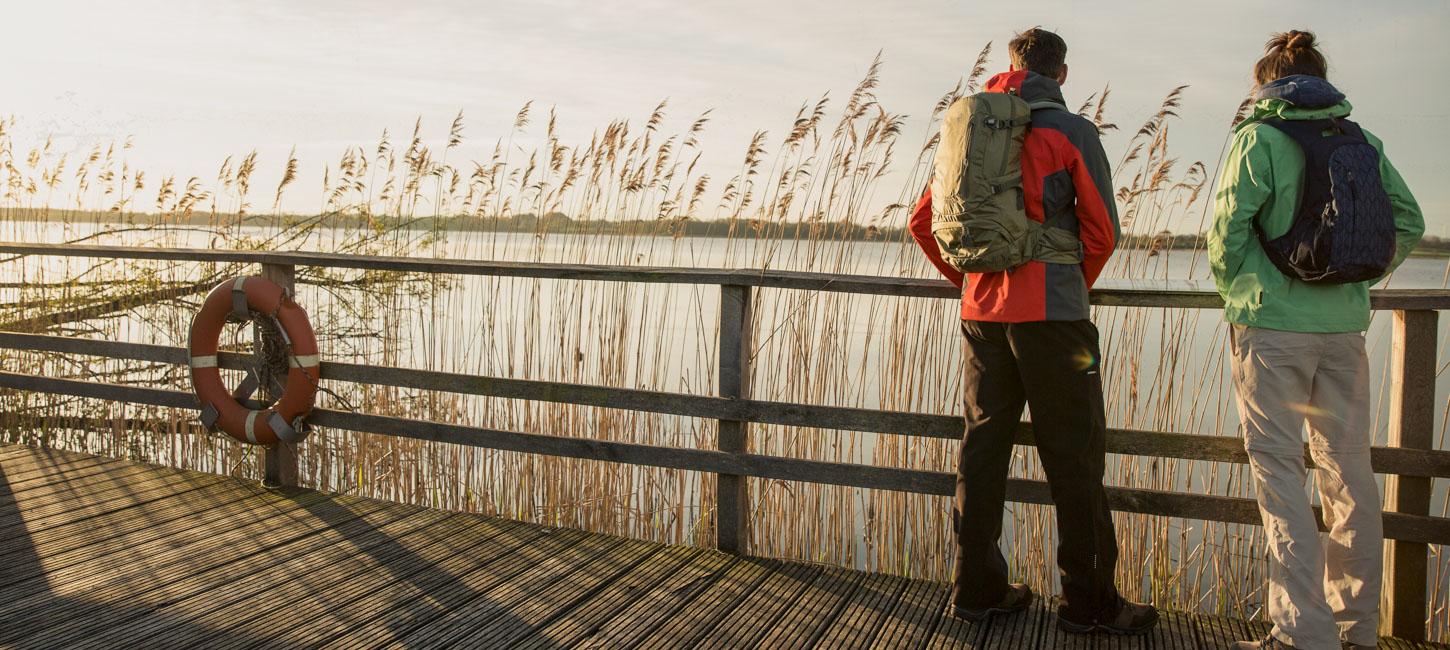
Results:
x,y
560,223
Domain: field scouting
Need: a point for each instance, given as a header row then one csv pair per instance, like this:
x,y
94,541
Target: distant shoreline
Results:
x,y
558,223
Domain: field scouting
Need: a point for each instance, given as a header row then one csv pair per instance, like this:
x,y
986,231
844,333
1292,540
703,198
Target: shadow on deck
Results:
x,y
98,552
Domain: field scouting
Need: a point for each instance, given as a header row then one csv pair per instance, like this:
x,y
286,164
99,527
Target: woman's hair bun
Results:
x,y
1290,53
1297,40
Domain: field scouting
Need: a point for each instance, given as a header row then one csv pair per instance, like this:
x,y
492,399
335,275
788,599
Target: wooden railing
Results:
x,y
1410,462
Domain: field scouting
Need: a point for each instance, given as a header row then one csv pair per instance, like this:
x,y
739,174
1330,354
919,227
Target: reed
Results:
x,y
830,167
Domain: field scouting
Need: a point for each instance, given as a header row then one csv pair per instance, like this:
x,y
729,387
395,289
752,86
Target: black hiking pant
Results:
x,y
1052,366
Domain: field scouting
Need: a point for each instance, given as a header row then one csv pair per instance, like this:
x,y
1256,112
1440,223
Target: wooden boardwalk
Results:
x,y
102,553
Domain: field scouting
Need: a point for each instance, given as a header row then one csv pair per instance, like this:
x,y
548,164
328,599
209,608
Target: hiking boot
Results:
x,y
1131,619
1269,643
1018,597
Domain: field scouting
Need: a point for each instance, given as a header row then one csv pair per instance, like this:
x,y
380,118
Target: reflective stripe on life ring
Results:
x,y
283,420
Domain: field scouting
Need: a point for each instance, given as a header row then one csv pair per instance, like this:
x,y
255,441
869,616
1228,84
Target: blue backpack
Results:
x,y
1344,227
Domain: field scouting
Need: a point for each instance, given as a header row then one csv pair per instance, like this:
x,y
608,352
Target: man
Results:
x,y
1029,341
1297,339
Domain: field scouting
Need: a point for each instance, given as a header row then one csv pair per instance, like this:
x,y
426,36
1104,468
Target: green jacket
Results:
x,y
1261,179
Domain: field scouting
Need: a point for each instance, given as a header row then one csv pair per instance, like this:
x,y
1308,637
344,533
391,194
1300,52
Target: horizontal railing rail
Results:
x,y
1234,510
1135,442
1108,293
1409,461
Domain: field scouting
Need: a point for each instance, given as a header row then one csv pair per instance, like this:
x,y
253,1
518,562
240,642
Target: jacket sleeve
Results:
x,y
1409,220
1097,211
920,225
1243,186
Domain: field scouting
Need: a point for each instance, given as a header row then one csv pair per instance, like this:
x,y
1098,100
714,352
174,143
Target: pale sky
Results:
x,y
194,82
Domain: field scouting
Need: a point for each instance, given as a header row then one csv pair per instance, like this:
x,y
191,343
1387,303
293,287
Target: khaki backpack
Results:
x,y
978,215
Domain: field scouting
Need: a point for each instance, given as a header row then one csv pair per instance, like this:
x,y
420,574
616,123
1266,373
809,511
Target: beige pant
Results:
x,y
1319,593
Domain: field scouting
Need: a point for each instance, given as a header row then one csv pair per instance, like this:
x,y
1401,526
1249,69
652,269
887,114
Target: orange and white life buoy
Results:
x,y
241,299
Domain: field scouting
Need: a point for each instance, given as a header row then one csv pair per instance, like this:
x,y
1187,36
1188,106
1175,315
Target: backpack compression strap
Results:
x,y
1047,105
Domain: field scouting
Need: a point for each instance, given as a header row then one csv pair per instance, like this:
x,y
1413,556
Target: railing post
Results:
x,y
732,505
1412,424
279,459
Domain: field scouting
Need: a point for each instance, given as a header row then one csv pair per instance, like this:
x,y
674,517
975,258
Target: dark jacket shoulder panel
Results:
x,y
1079,130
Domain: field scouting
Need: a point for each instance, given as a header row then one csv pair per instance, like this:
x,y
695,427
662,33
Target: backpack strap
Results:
x,y
994,123
1303,132
1046,105
1310,134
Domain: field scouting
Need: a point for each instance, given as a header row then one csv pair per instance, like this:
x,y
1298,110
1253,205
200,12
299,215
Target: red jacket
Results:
x,y
1066,182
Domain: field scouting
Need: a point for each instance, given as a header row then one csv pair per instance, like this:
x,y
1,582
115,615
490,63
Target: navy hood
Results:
x,y
1301,90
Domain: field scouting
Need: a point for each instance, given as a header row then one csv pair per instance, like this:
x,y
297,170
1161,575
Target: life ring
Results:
x,y
239,300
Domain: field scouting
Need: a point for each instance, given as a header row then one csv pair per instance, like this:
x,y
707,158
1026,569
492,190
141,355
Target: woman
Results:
x,y
1297,337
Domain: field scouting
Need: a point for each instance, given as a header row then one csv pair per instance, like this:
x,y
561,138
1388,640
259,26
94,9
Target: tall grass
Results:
x,y
832,165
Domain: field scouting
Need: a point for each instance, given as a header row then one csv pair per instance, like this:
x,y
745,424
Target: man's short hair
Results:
x,y
1038,50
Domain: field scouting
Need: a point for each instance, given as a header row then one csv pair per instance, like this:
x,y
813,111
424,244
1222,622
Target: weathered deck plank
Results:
x,y
550,603
320,591
87,538
661,603
122,583
102,553
102,508
762,609
1021,632
224,601
949,632
56,476
384,618
587,617
376,594
540,572
701,613
73,483
1216,629
860,617
910,623
817,609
